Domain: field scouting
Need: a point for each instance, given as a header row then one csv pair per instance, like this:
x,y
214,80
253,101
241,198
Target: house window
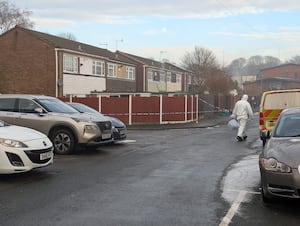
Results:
x,y
156,76
149,75
98,68
189,79
173,78
130,73
112,70
168,77
70,64
162,76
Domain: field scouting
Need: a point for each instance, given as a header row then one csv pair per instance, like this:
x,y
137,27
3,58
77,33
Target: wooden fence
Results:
x,y
133,109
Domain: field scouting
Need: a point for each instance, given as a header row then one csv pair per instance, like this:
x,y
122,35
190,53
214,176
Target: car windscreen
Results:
x,y
83,108
288,126
55,105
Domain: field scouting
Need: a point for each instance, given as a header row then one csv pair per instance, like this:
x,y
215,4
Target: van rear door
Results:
x,y
272,104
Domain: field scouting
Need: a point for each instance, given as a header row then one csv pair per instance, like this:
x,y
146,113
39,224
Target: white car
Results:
x,y
23,149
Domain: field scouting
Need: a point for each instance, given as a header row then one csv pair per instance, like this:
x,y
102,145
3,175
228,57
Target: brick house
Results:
x,y
285,76
289,70
158,77
35,62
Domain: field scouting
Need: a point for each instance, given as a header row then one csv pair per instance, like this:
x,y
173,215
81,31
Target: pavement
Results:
x,y
203,122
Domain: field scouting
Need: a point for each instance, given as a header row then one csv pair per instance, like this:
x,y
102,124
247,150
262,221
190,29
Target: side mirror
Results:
x,y
39,110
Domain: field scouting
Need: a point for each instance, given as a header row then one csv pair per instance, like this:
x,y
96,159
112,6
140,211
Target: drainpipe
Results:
x,y
56,72
144,78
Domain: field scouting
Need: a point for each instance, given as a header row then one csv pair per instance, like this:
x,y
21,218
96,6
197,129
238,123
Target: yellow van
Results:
x,y
272,104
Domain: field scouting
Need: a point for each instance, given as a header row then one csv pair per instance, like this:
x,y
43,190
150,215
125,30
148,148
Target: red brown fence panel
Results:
x,y
173,108
145,109
133,109
117,107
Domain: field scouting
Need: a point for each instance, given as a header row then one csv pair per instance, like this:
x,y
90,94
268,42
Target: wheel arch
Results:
x,y
64,126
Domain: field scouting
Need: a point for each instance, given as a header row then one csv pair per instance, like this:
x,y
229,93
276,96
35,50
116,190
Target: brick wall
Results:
x,y
287,71
27,64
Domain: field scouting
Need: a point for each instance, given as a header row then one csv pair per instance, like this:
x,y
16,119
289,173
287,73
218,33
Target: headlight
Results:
x,y
12,143
91,129
272,164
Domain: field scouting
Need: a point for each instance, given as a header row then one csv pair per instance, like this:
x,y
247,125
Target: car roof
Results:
x,y
28,96
294,110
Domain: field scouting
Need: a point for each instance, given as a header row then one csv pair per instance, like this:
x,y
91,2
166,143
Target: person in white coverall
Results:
x,y
242,112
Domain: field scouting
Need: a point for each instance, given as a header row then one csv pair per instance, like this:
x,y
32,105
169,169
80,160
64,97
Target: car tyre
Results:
x,y
63,141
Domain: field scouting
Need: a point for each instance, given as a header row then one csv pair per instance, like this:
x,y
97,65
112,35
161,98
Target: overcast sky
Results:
x,y
168,29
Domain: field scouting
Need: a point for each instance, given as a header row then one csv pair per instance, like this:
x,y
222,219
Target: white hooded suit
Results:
x,y
242,111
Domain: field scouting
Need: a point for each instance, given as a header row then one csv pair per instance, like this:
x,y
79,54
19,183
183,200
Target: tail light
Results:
x,y
261,118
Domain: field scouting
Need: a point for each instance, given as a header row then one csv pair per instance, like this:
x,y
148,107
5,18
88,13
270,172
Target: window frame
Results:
x,y
98,68
130,73
112,68
70,63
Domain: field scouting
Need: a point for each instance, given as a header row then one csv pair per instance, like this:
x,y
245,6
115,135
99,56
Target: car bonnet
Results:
x,y
20,133
285,150
84,116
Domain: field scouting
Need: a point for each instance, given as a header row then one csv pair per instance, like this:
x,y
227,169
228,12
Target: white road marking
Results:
x,y
233,209
125,141
249,192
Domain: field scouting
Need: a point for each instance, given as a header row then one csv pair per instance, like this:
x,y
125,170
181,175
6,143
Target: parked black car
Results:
x,y
119,128
279,162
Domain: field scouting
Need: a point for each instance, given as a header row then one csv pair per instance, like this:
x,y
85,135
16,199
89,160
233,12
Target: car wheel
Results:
x,y
63,141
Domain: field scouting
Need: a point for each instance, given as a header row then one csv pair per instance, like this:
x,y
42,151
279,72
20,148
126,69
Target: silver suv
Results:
x,y
65,126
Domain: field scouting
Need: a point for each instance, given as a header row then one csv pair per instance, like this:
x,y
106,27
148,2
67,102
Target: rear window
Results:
x,y
282,100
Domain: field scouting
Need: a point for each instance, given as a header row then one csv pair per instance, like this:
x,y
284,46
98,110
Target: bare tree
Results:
x,y
220,83
202,62
251,66
237,66
11,16
294,60
271,61
68,35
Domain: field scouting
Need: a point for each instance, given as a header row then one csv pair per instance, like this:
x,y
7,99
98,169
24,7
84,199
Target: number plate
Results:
x,y
45,155
271,124
106,136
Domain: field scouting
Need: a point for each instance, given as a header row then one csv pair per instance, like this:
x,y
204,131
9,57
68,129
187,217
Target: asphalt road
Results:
x,y
194,176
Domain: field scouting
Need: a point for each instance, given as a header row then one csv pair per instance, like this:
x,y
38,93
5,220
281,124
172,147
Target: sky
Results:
x,y
170,29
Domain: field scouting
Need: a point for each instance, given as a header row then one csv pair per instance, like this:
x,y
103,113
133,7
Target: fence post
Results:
x,y
99,104
192,108
197,108
130,110
185,107
160,109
